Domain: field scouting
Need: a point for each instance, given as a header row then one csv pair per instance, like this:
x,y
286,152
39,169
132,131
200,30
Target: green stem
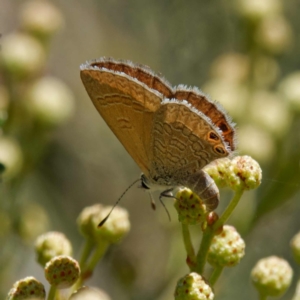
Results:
x,y
215,275
210,231
87,249
262,296
203,251
52,293
101,249
191,258
229,209
297,292
88,269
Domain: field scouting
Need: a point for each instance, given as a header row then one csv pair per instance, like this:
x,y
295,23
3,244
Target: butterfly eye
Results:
x,y
220,150
213,136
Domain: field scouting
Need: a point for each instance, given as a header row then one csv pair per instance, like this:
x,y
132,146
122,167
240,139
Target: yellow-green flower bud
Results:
x,y
191,209
295,245
272,276
290,90
217,170
88,293
50,101
245,173
51,244
227,248
193,287
22,55
87,220
62,271
274,34
11,157
255,10
41,18
27,289
116,226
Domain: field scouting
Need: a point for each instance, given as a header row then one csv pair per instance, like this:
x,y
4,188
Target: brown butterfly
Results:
x,y
170,132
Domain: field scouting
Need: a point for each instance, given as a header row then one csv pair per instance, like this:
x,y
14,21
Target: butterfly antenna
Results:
x,y
117,202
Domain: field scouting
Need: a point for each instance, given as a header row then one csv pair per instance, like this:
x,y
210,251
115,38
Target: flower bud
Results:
x,y
22,55
246,173
51,244
113,230
27,289
11,157
62,271
193,287
274,34
295,245
272,276
233,67
50,101
116,226
256,142
290,90
227,248
191,209
269,111
255,10
217,170
41,18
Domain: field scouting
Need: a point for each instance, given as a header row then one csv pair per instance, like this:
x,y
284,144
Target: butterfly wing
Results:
x,y
126,104
184,140
213,110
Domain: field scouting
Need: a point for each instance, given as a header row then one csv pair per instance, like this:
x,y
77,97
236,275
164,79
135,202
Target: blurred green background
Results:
x,y
61,157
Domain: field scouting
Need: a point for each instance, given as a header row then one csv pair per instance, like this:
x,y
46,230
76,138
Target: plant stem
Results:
x,y
191,258
87,249
229,209
215,275
87,269
210,231
52,293
99,252
262,296
203,251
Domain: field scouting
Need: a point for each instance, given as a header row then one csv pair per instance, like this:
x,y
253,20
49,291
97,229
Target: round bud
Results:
x,y
245,173
62,271
193,287
290,90
274,34
255,10
27,289
51,244
191,209
217,170
272,276
11,157
295,245
227,248
50,101
22,55
115,227
41,18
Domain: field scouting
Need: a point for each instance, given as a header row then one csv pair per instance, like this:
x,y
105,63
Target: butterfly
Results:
x,y
170,132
